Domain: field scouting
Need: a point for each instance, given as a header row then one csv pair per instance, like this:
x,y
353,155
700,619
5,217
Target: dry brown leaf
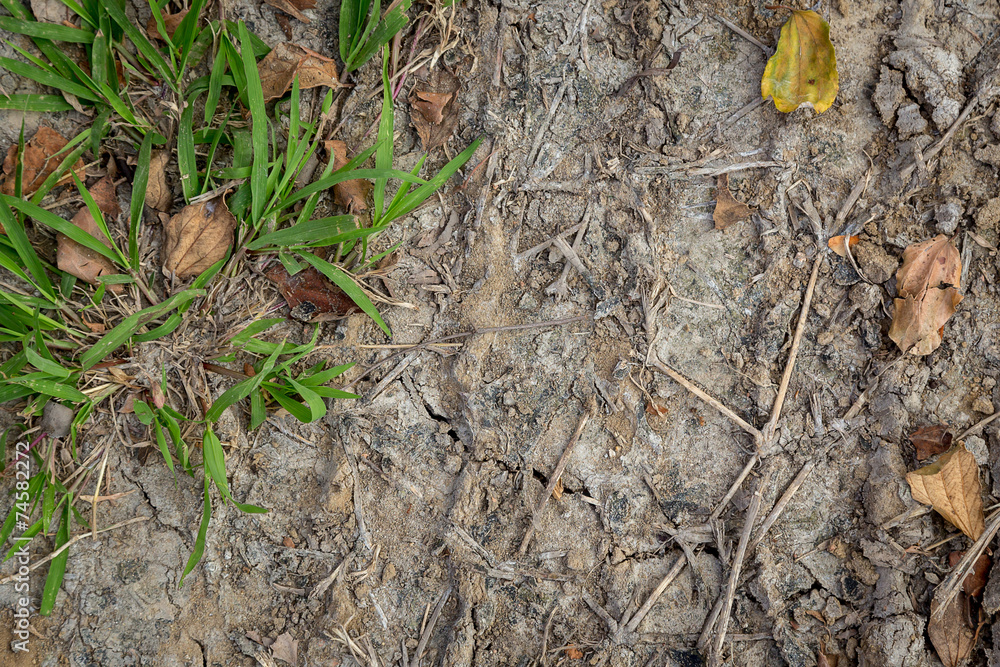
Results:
x,y
836,244
436,107
930,441
824,659
727,209
927,284
40,160
170,21
158,193
198,237
975,581
279,67
310,296
352,195
285,648
558,489
105,195
950,634
951,486
79,260
573,653
293,7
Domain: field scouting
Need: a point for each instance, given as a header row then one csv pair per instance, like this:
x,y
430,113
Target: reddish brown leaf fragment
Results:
x,y
80,261
836,244
198,237
975,581
170,21
105,195
930,441
728,209
310,296
352,195
950,634
436,108
40,160
158,193
293,7
279,67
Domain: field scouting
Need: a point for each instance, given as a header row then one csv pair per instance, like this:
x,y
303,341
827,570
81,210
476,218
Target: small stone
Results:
x,y
877,265
889,94
825,337
947,216
984,405
977,447
57,419
989,155
909,122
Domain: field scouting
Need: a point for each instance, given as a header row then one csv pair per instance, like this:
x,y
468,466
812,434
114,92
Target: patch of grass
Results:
x,y
77,345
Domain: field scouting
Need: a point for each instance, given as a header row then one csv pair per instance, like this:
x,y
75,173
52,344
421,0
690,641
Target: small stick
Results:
x,y
734,574
654,596
936,148
545,636
600,611
796,341
740,166
779,506
949,588
426,635
358,506
977,426
754,460
534,250
557,473
545,125
687,384
744,34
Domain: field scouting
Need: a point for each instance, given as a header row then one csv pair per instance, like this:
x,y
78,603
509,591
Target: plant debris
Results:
x,y
41,158
158,193
436,108
310,296
352,195
950,634
836,244
927,284
803,69
728,210
293,7
170,21
975,581
951,486
931,440
279,68
198,237
105,195
80,261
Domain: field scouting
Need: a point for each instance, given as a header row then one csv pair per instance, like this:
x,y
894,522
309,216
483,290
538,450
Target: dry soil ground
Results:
x,y
418,496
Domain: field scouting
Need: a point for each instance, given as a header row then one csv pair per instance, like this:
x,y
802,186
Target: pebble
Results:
x,y
984,405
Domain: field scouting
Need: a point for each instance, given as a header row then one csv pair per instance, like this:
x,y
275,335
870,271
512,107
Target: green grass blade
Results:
x,y
219,67
57,567
258,118
383,154
139,183
51,31
38,103
347,284
143,45
242,390
340,176
199,542
54,222
307,232
19,240
393,22
42,384
49,79
77,147
45,365
215,460
185,151
418,196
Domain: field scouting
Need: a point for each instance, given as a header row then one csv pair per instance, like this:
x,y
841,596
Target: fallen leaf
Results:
x,y
927,284
310,296
285,648
80,261
836,244
951,486
352,195
158,193
727,209
40,160
573,653
105,195
170,21
198,237
930,441
975,581
288,542
951,636
293,7
824,659
557,490
656,409
51,11
803,69
436,108
279,67
95,327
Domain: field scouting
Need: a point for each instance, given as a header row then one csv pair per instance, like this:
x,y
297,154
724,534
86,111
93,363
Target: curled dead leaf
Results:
x,y
836,244
975,581
158,193
105,195
40,160
927,283
352,195
279,67
310,296
930,441
79,260
435,108
728,209
803,69
950,633
170,21
951,486
293,7
197,237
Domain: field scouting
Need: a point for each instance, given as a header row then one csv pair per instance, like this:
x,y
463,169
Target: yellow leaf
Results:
x,y
951,486
803,69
